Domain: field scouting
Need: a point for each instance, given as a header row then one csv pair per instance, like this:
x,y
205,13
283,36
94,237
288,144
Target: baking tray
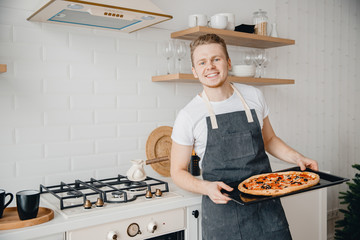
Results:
x,y
326,180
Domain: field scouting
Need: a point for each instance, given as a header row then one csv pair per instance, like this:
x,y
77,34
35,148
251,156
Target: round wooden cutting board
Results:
x,y
158,145
11,220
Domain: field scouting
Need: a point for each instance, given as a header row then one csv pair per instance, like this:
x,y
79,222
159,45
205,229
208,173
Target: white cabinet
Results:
x,y
193,223
58,236
307,213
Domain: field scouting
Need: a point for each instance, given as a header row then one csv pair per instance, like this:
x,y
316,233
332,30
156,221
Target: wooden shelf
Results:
x,y
3,68
234,38
189,78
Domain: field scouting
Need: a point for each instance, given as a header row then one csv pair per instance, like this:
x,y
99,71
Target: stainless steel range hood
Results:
x,y
123,15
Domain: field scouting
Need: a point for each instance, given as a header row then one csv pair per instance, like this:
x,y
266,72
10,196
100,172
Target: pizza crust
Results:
x,y
282,188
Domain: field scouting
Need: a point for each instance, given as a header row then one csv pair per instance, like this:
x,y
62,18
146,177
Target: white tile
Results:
x,y
103,86
21,51
93,132
69,149
94,162
12,153
93,101
73,117
177,102
42,134
157,88
22,118
27,35
91,41
40,167
98,71
21,85
55,35
6,33
124,60
68,177
42,102
136,101
116,145
68,86
65,54
134,130
116,116
155,115
7,103
7,170
143,48
7,135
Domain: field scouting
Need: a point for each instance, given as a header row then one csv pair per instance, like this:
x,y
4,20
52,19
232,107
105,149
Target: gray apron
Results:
x,y
234,152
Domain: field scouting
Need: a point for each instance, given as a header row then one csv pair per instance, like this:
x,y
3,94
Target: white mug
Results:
x,y
198,20
231,20
218,21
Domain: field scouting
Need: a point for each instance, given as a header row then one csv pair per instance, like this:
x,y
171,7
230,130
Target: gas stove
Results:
x,y
89,197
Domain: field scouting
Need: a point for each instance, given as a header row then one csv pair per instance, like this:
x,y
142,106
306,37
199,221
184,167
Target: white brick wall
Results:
x,y
79,103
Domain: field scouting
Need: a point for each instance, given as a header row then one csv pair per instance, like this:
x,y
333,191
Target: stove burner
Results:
x,y
136,186
73,193
117,194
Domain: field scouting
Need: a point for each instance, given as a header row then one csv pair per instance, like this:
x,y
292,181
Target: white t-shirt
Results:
x,y
190,125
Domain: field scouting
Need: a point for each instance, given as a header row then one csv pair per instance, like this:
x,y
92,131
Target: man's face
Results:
x,y
210,65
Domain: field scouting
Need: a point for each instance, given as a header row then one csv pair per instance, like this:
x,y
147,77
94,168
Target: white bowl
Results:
x,y
237,68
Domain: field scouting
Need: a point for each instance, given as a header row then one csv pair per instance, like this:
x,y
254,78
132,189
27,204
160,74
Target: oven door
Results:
x,y
171,236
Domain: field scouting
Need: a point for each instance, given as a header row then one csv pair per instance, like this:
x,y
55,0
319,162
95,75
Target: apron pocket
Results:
x,y
237,145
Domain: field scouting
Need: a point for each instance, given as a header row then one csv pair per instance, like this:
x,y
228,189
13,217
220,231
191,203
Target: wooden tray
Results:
x,y
11,220
158,145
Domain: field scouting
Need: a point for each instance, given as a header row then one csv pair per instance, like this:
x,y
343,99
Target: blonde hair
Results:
x,y
207,39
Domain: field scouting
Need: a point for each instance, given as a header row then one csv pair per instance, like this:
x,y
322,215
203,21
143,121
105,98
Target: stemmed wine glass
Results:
x,y
259,59
168,51
265,64
249,58
180,52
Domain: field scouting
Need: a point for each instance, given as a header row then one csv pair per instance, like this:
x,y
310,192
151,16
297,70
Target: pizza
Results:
x,y
279,183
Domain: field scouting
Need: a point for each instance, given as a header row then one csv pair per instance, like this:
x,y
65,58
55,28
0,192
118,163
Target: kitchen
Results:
x,y
78,103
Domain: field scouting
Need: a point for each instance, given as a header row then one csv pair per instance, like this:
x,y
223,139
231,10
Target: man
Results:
x,y
229,128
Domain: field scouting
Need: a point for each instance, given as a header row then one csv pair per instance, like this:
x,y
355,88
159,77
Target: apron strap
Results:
x,y
246,107
214,124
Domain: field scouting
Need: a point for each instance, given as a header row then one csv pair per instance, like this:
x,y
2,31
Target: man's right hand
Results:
x,y
213,190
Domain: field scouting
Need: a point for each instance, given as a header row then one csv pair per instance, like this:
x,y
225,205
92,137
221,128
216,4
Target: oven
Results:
x,y
167,225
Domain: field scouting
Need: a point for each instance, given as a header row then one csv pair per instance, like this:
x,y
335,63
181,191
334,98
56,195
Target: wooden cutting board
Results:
x,y
158,145
11,220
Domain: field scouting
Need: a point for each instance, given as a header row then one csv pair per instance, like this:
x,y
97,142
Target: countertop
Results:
x,y
61,224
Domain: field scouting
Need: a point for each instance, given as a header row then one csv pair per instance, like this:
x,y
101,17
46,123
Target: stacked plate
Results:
x,y
243,70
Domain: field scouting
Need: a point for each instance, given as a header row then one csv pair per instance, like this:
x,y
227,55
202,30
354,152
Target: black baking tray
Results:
x,y
326,180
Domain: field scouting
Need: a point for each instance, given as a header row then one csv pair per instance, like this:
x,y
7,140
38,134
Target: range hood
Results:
x,y
123,15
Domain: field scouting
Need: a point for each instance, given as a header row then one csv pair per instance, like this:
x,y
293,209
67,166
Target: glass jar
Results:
x,y
260,20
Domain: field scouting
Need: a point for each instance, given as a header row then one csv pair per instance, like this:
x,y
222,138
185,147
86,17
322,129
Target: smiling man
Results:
x,y
229,128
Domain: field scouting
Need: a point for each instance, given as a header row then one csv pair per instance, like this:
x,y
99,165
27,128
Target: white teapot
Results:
x,y
136,172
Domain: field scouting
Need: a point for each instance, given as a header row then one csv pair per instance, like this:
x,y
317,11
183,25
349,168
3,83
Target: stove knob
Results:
x,y
99,202
148,194
112,235
158,193
87,204
152,226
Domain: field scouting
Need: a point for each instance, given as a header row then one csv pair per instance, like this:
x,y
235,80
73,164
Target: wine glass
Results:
x,y
180,52
265,64
249,58
168,51
259,59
